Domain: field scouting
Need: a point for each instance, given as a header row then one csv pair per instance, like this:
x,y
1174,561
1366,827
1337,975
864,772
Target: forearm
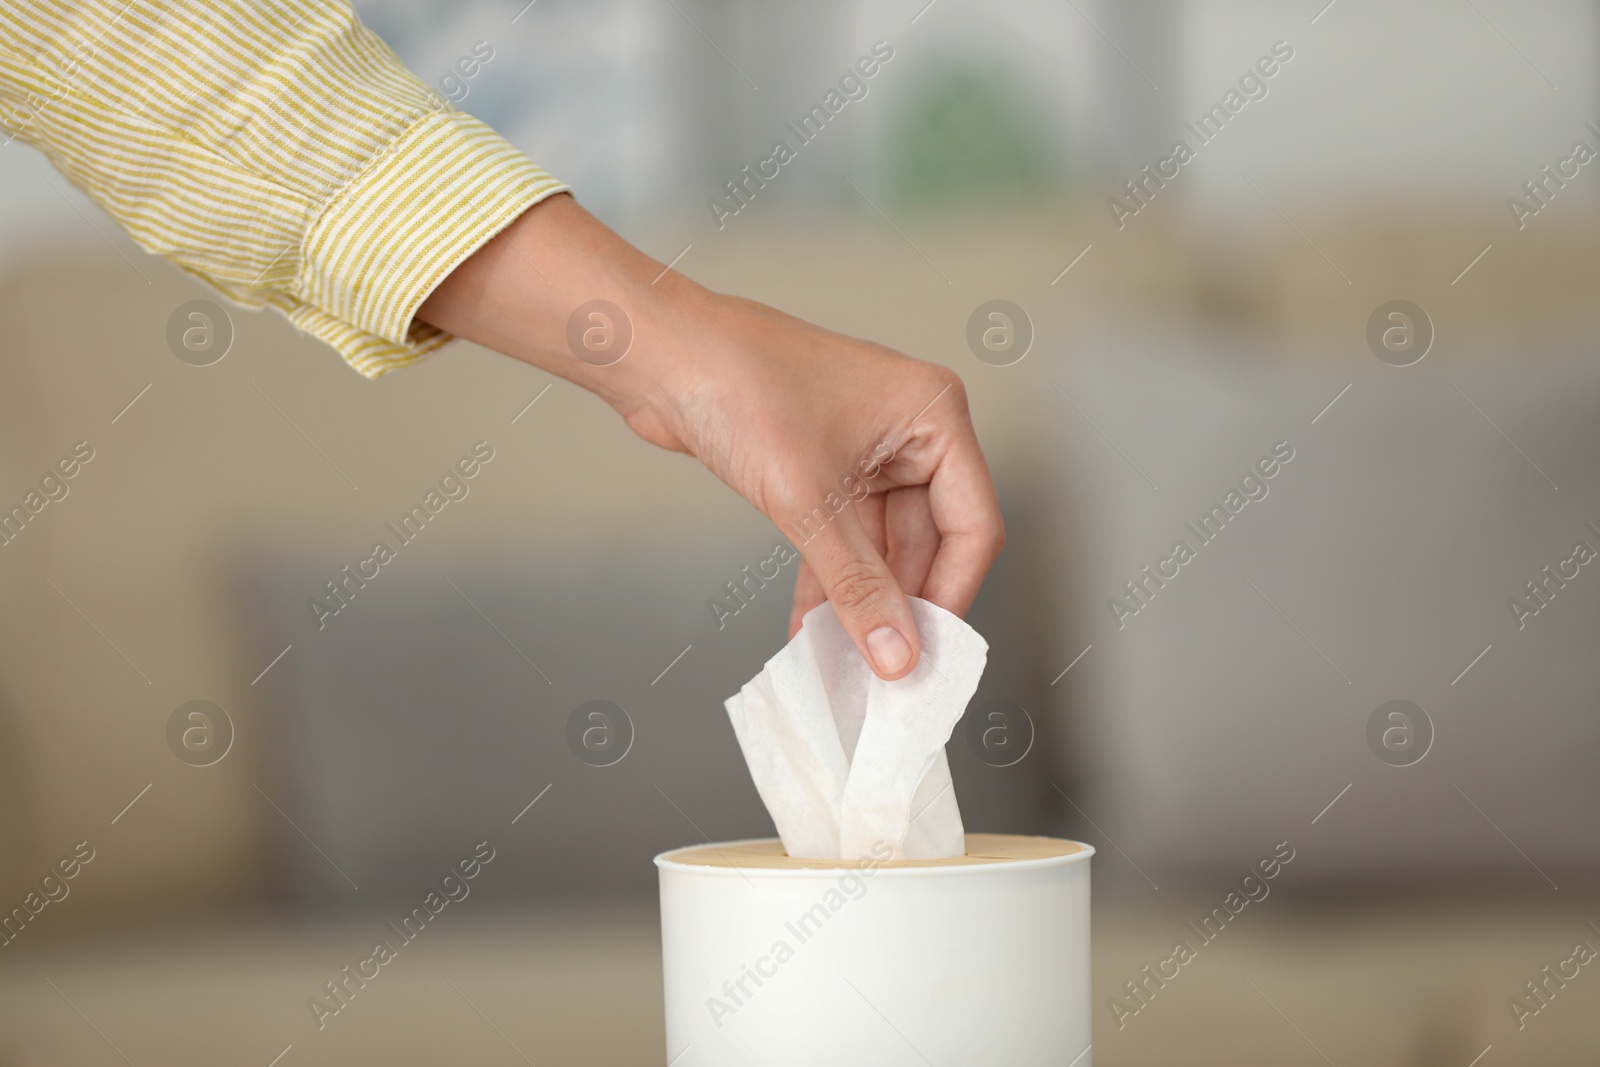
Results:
x,y
518,294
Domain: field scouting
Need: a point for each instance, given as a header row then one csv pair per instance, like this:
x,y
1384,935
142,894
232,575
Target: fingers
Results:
x,y
902,530
808,593
911,537
869,601
963,506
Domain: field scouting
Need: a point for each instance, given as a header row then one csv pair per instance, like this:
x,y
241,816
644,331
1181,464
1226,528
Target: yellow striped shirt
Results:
x,y
276,149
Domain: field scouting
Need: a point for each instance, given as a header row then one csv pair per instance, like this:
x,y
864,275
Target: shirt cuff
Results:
x,y
384,242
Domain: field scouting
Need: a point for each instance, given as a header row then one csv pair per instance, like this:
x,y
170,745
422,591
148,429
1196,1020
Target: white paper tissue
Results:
x,y
845,761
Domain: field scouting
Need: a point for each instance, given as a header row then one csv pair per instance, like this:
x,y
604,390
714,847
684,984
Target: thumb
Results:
x,y
865,595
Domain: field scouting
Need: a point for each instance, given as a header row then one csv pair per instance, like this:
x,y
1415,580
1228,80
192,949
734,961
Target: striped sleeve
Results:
x,y
276,149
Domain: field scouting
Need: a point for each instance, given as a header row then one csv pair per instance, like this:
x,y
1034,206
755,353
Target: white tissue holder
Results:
x,y
981,959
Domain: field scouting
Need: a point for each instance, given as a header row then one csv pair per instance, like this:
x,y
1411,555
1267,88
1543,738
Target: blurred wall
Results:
x,y
1216,322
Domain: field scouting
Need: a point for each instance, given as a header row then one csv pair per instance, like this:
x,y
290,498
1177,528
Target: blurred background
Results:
x,y
1443,858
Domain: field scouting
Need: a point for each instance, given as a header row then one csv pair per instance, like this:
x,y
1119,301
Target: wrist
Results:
x,y
669,327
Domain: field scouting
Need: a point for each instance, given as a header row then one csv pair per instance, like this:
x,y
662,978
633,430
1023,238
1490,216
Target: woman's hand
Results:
x,y
864,458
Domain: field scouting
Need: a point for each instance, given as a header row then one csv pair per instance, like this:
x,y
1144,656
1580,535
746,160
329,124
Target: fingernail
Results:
x,y
890,652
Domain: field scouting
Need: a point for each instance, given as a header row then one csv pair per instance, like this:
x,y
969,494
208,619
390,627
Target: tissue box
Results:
x,y
978,959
